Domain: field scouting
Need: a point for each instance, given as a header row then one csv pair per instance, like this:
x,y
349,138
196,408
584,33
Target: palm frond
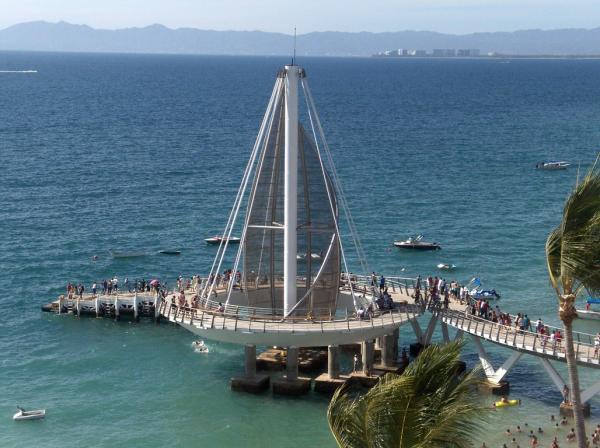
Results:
x,y
428,406
573,248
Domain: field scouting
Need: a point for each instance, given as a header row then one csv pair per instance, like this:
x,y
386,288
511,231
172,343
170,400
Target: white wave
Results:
x,y
18,71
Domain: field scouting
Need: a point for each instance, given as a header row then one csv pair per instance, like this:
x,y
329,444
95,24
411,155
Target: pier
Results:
x,y
129,304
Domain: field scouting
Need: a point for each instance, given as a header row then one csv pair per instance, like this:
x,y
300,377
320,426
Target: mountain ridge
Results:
x,y
157,38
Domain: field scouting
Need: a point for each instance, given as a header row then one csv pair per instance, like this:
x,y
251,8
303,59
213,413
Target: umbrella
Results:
x,y
154,282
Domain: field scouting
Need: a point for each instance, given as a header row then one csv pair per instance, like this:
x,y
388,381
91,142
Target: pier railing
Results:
x,y
528,340
254,319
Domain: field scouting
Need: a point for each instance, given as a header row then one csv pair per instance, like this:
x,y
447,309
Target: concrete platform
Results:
x,y
503,388
274,359
294,388
396,369
254,385
360,379
326,385
566,410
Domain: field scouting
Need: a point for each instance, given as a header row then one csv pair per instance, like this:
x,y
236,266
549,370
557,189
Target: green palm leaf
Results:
x,y
428,406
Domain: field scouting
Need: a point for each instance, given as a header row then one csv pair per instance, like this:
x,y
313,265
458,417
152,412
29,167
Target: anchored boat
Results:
x,y
218,239
417,243
588,313
552,165
22,414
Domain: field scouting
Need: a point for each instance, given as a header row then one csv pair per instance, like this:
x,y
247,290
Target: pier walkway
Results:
x,y
520,342
239,324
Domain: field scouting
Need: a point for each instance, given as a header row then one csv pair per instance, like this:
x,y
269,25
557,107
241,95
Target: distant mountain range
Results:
x,y
62,36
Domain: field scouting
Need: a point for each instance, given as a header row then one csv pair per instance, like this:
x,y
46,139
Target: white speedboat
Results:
x,y
552,165
588,313
22,414
446,266
217,240
417,243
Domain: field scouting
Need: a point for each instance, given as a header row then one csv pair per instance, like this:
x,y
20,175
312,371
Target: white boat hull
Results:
x,y
29,415
588,315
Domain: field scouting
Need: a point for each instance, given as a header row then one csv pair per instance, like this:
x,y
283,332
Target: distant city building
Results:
x,y
468,52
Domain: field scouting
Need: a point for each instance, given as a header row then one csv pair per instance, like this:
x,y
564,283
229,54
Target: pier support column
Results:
x,y
250,382
329,382
291,367
250,360
387,350
97,305
157,305
292,384
367,351
333,361
136,315
396,341
117,316
77,308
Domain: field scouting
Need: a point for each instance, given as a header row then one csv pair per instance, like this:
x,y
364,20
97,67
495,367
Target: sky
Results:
x,y
449,16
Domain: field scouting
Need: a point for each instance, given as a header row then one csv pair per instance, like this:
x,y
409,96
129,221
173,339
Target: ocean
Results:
x,y
145,152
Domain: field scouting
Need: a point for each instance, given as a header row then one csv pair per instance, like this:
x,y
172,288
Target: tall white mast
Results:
x,y
290,240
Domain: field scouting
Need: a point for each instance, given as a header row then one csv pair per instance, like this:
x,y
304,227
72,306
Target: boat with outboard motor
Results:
x,y
22,414
552,165
217,240
588,313
417,243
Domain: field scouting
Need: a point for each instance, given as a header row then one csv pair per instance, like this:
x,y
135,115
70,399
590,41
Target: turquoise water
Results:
x,y
104,152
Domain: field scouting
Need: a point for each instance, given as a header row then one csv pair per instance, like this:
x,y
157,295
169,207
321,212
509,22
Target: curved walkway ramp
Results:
x,y
244,325
521,343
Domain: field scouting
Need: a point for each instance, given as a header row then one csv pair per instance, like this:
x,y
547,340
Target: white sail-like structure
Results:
x,y
286,285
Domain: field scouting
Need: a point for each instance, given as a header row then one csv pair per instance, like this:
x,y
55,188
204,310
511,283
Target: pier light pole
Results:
x,y
290,241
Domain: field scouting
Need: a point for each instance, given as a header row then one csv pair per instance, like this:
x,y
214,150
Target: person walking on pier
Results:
x,y
127,286
565,394
94,288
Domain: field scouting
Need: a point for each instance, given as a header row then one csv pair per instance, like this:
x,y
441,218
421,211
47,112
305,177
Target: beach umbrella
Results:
x,y
154,282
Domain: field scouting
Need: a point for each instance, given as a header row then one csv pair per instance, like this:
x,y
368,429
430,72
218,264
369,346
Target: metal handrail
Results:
x,y
544,340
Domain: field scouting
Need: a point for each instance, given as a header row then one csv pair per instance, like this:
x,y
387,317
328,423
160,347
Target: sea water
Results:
x,y
142,153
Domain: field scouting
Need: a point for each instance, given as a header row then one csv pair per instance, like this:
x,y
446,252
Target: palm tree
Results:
x,y
427,406
573,259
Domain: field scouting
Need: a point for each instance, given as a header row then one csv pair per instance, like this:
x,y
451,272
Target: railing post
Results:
x,y
212,322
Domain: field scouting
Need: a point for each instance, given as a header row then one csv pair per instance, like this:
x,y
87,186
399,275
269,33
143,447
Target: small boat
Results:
x,y
217,240
503,404
588,313
313,256
169,252
123,254
552,165
446,266
417,243
22,414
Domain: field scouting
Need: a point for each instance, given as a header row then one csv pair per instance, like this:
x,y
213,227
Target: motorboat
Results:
x,y
22,414
588,313
552,165
169,252
417,243
446,266
217,240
